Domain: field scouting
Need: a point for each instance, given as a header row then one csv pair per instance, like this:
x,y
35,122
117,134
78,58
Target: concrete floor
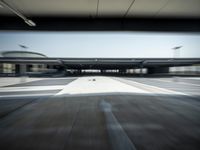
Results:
x,y
6,81
101,114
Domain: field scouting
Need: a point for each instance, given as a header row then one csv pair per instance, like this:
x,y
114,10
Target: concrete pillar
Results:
x,y
1,68
141,73
141,67
103,71
22,69
122,71
17,69
155,70
79,71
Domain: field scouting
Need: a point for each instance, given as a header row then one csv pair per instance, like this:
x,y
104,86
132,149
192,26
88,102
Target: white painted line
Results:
x,y
195,78
176,82
24,95
152,89
30,88
118,137
86,85
67,78
162,80
188,83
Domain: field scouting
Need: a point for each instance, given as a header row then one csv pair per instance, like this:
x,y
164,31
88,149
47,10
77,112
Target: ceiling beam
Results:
x,y
102,24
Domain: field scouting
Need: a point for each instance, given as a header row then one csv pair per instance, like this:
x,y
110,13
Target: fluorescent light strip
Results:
x,y
15,11
30,23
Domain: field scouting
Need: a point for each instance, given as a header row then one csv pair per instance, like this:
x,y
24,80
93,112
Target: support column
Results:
x,y
103,71
79,71
141,67
17,69
1,68
122,71
22,69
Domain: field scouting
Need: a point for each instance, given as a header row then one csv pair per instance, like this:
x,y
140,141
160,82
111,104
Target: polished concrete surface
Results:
x,y
101,113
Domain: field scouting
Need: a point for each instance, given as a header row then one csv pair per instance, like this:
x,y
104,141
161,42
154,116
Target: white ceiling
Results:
x,y
103,8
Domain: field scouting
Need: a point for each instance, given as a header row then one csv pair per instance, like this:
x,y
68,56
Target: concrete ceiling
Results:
x,y
105,8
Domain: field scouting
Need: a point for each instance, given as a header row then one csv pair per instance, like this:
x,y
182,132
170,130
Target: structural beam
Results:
x,y
102,24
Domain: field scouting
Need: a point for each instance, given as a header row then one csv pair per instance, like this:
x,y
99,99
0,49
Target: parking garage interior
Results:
x,y
51,102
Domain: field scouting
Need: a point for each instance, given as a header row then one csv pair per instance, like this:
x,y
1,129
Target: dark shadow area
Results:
x,y
166,24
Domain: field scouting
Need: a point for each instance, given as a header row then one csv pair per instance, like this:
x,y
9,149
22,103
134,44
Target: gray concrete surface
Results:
x,y
46,82
151,120
6,81
187,86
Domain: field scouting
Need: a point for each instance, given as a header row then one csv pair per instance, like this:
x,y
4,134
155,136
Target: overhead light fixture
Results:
x,y
30,23
19,14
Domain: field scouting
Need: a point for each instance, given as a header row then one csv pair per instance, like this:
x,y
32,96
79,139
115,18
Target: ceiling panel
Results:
x,y
53,7
181,8
4,11
146,8
113,7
